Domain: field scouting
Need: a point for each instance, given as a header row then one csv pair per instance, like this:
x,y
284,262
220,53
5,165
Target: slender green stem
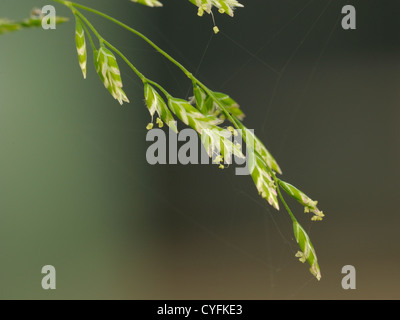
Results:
x,y
237,123
83,18
165,92
282,199
66,3
138,73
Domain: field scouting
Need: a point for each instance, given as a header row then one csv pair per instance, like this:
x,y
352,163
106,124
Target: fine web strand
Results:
x,y
274,36
291,57
207,46
297,107
271,261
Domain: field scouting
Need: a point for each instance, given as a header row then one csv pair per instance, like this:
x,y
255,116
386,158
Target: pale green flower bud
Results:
x,y
309,205
149,3
81,47
108,71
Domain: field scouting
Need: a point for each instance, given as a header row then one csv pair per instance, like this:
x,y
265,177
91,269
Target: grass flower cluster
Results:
x,y
206,112
223,6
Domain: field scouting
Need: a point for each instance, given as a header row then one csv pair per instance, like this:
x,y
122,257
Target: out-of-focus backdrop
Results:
x,y
77,193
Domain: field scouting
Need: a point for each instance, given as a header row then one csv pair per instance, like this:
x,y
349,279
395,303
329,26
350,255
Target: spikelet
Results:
x,y
156,104
216,140
219,141
81,47
108,71
149,3
307,252
309,205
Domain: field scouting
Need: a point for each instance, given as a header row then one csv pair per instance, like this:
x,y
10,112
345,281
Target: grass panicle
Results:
x,y
190,116
263,179
205,112
220,145
108,71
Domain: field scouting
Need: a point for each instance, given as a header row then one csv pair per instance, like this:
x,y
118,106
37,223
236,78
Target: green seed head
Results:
x,y
108,71
307,252
156,104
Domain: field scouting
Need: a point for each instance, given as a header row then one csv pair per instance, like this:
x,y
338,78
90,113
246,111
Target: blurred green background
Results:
x,y
76,191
